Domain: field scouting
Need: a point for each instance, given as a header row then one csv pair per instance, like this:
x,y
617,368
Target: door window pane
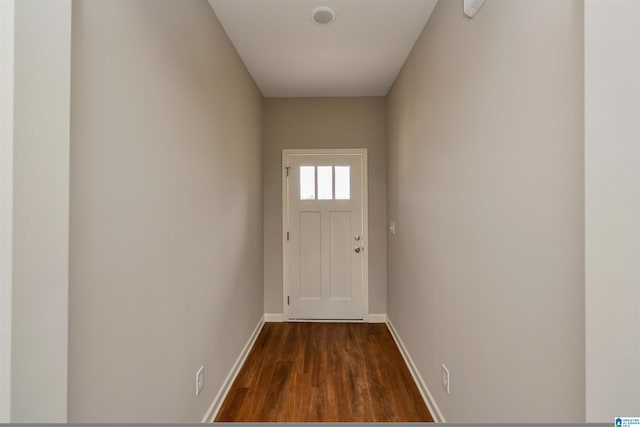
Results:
x,y
343,182
307,183
325,183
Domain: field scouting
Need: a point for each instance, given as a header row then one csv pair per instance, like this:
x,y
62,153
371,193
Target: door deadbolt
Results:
x,y
356,237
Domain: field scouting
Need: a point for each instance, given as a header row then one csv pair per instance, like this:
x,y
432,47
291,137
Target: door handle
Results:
x,y
358,249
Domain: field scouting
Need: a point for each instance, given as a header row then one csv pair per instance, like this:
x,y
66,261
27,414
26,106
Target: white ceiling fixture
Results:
x,y
323,15
357,49
472,7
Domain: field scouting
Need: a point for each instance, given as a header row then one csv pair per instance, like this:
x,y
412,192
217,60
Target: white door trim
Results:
x,y
7,46
365,221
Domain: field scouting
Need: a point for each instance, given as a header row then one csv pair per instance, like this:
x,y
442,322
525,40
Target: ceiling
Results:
x,y
360,54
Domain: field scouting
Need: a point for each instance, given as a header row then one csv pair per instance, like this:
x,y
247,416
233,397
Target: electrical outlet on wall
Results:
x,y
199,380
446,381
392,227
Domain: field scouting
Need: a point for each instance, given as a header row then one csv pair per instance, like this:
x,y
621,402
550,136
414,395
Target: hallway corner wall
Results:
x,y
39,243
486,186
166,210
612,173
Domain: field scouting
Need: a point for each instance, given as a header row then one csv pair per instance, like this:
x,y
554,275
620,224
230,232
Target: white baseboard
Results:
x,y
422,386
280,317
377,318
274,317
231,377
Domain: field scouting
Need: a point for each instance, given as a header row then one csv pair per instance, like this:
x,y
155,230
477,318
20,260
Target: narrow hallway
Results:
x,y
195,193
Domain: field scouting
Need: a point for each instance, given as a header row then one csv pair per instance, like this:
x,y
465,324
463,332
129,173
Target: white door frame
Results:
x,y
7,43
365,225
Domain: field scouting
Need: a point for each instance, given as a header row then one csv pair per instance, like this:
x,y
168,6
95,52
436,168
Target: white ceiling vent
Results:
x,y
323,15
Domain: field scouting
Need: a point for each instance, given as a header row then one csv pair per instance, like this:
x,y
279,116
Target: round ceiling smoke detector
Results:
x,y
323,15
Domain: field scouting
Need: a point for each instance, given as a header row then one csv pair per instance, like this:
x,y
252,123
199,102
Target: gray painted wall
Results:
x,y
486,185
166,209
612,114
41,211
324,123
7,42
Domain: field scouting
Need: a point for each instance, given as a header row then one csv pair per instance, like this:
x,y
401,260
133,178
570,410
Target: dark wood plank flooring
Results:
x,y
324,372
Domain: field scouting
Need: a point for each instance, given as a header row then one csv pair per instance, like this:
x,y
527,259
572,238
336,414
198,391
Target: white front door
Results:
x,y
324,239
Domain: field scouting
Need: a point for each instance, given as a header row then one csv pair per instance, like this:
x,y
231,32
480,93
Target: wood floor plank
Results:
x,y
324,372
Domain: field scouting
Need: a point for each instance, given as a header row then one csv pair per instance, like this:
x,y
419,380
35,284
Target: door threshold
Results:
x,y
326,320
